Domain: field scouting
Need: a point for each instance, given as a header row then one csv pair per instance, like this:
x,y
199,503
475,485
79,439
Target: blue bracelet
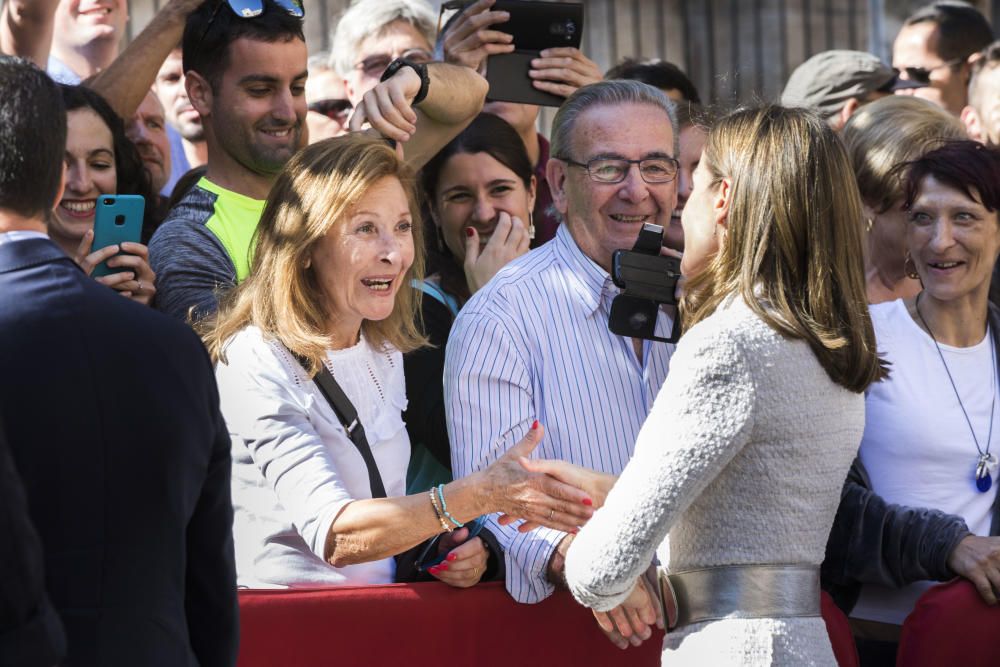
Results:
x,y
444,507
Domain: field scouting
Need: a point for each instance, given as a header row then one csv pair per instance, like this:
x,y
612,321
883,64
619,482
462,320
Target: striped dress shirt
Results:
x,y
534,344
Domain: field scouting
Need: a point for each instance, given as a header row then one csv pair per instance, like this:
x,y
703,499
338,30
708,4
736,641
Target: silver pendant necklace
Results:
x,y
986,463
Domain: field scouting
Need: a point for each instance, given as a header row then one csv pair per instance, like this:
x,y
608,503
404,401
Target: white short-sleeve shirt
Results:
x,y
294,466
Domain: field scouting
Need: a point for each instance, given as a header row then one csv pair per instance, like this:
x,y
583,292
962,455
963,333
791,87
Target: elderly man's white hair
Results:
x,y
369,17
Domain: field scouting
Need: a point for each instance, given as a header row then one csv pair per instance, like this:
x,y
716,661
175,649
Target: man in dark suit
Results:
x,y
30,632
112,414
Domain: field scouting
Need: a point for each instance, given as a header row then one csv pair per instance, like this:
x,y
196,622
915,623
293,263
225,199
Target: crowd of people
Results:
x,y
363,336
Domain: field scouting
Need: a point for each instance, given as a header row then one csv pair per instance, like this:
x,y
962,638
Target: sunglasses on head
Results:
x,y
334,109
249,9
923,74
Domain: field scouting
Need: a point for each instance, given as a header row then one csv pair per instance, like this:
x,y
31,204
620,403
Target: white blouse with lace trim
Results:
x,y
294,467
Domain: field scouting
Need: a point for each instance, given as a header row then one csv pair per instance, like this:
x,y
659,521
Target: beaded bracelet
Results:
x,y
437,513
444,507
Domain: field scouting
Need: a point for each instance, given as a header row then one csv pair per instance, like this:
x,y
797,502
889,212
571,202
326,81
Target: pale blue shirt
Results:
x,y
534,344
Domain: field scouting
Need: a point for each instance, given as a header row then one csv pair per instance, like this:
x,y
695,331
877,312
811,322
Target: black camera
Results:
x,y
565,30
648,280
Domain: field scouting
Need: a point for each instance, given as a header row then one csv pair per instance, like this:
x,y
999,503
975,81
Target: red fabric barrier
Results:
x,y
839,629
424,624
950,625
433,624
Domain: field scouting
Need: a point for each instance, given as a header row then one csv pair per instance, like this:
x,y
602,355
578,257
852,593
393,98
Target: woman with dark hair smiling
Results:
x,y
934,420
481,190
101,160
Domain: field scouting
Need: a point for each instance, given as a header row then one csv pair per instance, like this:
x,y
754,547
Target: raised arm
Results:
x,y
127,80
455,95
26,29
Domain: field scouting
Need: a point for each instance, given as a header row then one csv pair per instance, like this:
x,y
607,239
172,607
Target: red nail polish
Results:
x,y
443,566
534,425
452,557
432,570
588,502
469,231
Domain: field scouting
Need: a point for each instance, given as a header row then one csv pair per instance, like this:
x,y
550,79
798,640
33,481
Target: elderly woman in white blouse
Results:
x,y
745,450
329,297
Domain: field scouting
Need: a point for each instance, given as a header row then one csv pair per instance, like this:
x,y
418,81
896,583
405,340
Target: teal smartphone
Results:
x,y
118,218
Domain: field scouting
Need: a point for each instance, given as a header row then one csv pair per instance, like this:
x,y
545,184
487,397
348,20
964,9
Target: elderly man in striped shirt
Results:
x,y
534,343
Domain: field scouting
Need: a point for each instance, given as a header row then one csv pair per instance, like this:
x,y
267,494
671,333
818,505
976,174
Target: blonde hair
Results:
x,y
887,132
282,296
793,248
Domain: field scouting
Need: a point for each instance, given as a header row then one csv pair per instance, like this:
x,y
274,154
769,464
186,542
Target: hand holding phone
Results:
x,y
118,219
434,557
118,262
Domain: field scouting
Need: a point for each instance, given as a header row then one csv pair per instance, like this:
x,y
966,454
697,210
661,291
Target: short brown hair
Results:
x,y
282,296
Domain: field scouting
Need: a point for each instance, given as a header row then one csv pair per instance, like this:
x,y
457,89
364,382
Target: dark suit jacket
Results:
x,y
113,416
30,632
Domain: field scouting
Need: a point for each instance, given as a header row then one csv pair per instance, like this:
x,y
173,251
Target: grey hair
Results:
x,y
319,62
613,93
370,17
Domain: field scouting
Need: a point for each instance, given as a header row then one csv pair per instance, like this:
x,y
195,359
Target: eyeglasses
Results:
x,y
250,9
334,109
375,64
613,170
922,75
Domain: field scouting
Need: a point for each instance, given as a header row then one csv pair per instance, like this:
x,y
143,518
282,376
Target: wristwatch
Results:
x,y
419,68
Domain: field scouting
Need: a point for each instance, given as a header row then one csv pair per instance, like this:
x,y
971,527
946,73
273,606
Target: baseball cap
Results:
x,y
828,79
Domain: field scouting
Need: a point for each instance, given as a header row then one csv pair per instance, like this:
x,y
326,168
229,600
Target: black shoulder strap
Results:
x,y
348,416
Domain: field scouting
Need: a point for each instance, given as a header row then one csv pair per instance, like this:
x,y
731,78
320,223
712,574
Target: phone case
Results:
x,y
535,26
118,218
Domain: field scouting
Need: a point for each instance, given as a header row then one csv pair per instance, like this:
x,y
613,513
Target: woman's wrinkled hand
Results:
x,y
137,281
595,484
466,560
509,241
537,498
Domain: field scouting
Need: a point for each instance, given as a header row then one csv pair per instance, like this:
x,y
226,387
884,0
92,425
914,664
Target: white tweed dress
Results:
x,y
741,459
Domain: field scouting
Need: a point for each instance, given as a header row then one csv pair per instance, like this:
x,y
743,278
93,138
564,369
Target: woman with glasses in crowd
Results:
x,y
933,420
879,136
101,160
329,293
481,190
743,455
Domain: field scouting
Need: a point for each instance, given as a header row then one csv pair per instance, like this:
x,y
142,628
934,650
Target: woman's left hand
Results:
x,y
465,564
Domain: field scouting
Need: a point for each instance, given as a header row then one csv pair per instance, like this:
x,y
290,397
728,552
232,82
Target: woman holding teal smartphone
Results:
x,y
100,160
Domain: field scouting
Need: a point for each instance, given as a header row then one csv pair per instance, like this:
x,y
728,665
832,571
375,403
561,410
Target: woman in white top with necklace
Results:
x,y
931,435
744,453
337,246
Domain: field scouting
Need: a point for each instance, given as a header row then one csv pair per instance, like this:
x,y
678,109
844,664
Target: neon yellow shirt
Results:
x,y
234,222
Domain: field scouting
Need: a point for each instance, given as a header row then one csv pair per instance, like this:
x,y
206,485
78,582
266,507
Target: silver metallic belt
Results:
x,y
740,591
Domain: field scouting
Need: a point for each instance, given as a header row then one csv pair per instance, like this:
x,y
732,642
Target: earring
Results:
x,y
909,267
869,223
531,226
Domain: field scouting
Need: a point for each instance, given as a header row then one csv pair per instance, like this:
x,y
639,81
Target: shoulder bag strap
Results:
x,y
348,416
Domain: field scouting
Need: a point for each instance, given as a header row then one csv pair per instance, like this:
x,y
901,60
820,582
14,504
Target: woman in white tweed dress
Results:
x,y
744,453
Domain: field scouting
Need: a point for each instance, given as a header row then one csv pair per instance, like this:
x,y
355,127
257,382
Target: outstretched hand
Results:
x,y
541,500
